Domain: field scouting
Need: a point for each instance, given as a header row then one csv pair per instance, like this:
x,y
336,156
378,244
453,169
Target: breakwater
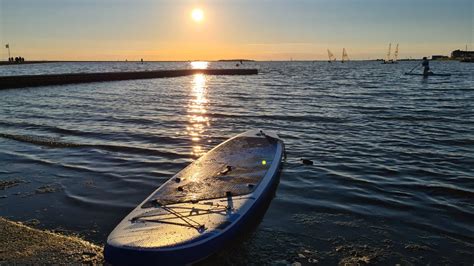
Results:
x,y
9,82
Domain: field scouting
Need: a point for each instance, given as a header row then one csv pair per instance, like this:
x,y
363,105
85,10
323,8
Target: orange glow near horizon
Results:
x,y
213,30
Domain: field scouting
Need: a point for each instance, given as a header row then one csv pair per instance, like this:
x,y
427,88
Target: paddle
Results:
x,y
417,65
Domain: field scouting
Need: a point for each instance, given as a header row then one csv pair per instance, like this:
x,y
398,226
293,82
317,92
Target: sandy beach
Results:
x,y
21,244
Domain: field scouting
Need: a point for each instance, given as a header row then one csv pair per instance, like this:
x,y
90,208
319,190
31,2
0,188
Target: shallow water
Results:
x,y
392,180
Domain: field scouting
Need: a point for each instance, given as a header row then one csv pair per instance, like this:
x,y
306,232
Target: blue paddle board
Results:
x,y
204,207
429,74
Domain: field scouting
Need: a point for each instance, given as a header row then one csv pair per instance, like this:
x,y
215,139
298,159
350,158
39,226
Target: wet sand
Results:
x,y
20,244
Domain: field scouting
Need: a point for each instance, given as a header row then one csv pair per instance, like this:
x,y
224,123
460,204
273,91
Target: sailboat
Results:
x,y
331,57
344,56
395,56
389,60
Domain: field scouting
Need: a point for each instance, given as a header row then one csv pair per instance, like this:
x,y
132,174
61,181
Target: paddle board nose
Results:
x,y
203,207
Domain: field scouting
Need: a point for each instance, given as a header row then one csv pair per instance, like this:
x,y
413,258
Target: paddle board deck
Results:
x,y
431,74
203,207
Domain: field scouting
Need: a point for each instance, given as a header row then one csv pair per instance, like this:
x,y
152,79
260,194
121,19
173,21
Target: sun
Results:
x,y
197,15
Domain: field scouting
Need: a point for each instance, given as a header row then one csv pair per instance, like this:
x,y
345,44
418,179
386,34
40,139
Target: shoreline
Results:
x,y
21,244
6,63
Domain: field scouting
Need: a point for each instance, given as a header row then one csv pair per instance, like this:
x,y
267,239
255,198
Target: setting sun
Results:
x,y
197,15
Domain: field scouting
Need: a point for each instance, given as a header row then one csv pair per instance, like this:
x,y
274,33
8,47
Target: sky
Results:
x,y
254,29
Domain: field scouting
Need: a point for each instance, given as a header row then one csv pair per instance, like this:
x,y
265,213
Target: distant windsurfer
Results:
x,y
426,67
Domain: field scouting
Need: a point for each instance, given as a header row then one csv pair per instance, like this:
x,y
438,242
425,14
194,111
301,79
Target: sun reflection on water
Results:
x,y
198,121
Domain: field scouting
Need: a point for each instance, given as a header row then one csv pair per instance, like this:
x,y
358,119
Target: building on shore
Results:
x,y
439,57
459,54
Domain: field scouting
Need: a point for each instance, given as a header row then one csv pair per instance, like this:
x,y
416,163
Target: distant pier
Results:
x,y
6,63
9,82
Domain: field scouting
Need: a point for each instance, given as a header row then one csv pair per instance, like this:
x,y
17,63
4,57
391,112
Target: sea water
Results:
x,y
392,179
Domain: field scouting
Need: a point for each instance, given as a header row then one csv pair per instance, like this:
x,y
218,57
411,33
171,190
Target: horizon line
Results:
x,y
203,60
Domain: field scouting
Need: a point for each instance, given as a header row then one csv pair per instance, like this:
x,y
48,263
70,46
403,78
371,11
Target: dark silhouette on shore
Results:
x,y
16,60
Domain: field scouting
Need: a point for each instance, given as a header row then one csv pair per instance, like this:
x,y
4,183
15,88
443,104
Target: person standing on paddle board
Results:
x,y
426,66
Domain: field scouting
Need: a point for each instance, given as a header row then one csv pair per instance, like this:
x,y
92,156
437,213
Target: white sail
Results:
x,y
389,51
345,57
331,56
395,56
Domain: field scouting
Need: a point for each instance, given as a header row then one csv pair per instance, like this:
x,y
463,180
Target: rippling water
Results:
x,y
392,180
